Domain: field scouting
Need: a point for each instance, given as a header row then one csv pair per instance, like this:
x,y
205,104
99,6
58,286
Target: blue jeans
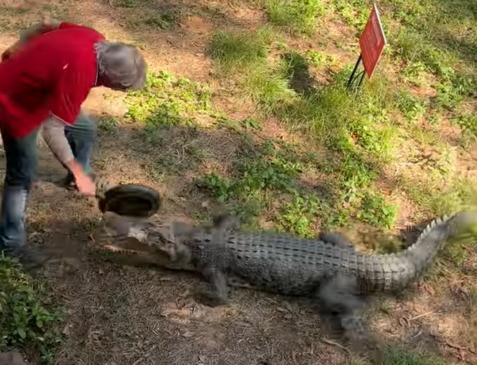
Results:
x,y
81,137
22,160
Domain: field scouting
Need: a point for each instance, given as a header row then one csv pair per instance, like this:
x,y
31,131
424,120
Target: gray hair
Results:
x,y
121,65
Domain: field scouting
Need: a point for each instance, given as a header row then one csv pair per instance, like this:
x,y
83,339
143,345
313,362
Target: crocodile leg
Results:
x,y
225,222
216,293
340,295
336,239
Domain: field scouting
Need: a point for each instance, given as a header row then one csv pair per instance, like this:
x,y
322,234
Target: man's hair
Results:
x,y
121,64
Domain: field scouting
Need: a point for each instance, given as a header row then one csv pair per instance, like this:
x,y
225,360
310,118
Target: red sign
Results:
x,y
372,42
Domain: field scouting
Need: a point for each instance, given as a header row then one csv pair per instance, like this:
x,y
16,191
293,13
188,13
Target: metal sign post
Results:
x,y
371,43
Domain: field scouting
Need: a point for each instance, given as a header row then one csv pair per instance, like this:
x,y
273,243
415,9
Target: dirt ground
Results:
x,y
120,315
135,315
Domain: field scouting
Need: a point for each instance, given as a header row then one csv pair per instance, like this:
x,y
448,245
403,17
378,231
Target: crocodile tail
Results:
x,y
457,226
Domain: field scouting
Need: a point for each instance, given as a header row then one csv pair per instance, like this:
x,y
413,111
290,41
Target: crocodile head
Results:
x,y
160,244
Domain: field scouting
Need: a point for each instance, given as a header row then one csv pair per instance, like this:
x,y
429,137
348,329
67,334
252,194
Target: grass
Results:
x,y
29,319
168,101
400,356
298,16
358,132
241,50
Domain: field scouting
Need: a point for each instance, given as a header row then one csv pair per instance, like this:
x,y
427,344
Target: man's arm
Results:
x,y
46,25
54,136
72,88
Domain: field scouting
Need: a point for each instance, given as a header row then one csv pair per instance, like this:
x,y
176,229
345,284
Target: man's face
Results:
x,y
111,85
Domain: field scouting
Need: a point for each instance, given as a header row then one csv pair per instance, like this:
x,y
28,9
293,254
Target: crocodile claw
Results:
x,y
352,322
210,299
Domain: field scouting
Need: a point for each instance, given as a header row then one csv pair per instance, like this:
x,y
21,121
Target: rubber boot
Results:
x,y
12,229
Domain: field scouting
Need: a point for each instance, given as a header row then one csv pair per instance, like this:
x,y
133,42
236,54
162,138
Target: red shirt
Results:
x,y
52,73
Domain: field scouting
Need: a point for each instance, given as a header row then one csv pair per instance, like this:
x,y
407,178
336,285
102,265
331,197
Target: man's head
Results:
x,y
120,66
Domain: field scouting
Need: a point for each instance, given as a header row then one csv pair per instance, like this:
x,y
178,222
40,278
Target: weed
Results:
x,y
375,211
468,124
412,108
262,173
28,318
299,217
317,59
266,170
354,12
438,199
453,90
319,114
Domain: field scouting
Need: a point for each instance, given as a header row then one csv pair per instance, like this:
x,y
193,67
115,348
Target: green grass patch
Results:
x,y
29,319
128,4
237,50
299,217
299,16
262,172
357,130
468,124
400,356
167,19
394,355
108,125
436,200
168,100
268,87
355,13
410,106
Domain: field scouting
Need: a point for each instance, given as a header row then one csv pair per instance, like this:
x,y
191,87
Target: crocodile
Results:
x,y
328,268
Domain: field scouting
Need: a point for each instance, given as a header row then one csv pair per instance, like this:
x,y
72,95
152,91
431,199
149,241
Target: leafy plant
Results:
x,y
299,216
28,317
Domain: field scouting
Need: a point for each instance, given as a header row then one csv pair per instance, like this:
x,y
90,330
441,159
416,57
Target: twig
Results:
x,y
455,346
333,343
419,316
294,358
417,334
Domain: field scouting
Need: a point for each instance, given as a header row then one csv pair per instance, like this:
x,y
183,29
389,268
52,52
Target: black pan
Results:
x,y
134,200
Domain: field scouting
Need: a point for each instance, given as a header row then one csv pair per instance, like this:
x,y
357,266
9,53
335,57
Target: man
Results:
x,y
44,79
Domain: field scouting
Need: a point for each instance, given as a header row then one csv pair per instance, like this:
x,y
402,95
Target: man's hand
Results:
x,y
47,24
84,182
11,50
